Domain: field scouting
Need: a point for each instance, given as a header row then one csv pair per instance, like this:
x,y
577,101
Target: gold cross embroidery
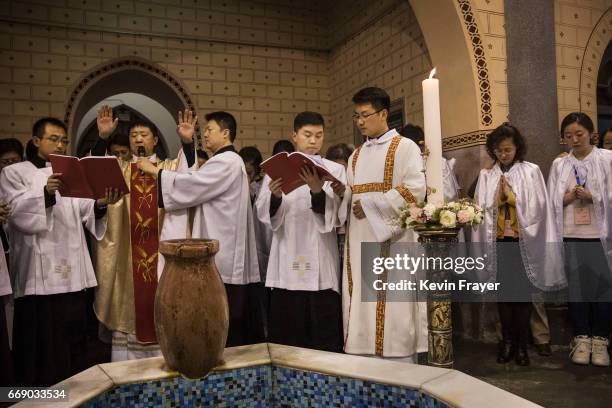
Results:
x,y
63,268
301,266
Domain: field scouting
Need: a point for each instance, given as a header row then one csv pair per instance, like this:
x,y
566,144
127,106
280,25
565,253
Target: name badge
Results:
x,y
582,216
508,230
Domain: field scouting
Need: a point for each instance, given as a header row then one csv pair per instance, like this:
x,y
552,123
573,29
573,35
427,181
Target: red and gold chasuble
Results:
x,y
145,244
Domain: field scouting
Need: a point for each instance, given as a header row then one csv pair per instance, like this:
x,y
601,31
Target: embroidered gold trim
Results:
x,y
368,188
381,305
406,194
355,156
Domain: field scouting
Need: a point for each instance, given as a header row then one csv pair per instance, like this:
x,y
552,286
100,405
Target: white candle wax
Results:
x,y
433,139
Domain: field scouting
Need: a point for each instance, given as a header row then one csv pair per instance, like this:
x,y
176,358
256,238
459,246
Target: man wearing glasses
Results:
x,y
384,174
50,265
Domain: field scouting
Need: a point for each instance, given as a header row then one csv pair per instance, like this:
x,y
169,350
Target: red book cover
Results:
x,y
88,177
288,166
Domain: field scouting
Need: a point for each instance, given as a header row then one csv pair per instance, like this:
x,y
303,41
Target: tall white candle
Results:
x,y
433,138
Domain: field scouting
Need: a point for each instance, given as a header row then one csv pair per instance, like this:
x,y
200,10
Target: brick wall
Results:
x,y
390,54
244,69
575,21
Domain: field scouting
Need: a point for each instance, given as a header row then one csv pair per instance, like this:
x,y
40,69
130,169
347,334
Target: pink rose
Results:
x,y
463,216
416,213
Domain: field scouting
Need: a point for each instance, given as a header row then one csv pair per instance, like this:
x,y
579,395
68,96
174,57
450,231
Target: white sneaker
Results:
x,y
600,356
581,350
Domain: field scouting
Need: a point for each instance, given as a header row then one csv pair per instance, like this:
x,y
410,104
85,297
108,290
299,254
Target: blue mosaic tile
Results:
x,y
427,401
263,386
303,388
246,387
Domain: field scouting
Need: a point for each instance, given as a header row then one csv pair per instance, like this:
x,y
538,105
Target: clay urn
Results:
x,y
191,311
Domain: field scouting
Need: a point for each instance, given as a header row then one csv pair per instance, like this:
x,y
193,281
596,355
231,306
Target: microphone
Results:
x,y
140,152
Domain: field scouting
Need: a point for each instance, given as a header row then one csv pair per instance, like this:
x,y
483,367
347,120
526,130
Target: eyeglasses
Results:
x,y
57,140
364,116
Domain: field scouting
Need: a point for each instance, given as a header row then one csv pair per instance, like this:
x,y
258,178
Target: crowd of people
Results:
x,y
291,263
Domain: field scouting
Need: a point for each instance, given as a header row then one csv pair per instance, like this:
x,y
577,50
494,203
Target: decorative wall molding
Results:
x,y
119,65
486,113
478,137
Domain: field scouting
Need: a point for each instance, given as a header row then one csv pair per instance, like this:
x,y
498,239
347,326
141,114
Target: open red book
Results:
x,y
288,166
88,177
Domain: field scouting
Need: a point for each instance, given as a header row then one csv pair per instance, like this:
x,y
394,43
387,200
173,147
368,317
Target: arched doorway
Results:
x,y
604,92
147,89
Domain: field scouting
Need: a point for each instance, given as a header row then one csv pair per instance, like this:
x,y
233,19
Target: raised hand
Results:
x,y
105,122
186,124
54,183
275,187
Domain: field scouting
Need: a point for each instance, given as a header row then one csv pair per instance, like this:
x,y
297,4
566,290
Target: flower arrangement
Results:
x,y
453,214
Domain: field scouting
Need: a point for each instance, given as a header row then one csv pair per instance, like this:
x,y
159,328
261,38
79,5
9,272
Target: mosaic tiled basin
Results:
x,y
270,375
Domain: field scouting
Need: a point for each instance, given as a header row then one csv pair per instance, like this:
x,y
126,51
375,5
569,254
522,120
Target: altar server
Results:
x,y
50,264
580,187
303,269
517,209
219,191
384,175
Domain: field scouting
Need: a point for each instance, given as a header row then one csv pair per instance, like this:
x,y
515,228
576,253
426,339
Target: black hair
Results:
x,y
31,151
580,118
144,123
38,129
250,154
307,118
506,131
11,145
340,151
283,145
414,133
225,121
202,154
377,97
120,139
602,136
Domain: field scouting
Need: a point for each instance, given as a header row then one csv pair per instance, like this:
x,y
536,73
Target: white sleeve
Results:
x,y
97,227
329,221
262,204
184,190
28,212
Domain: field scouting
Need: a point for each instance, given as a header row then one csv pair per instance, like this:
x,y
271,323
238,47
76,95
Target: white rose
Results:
x,y
448,219
429,210
478,218
471,213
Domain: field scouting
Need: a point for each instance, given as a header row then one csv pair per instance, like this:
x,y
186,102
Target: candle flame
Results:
x,y
432,73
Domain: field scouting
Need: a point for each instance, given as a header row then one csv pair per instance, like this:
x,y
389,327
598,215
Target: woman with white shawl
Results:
x,y
517,210
580,188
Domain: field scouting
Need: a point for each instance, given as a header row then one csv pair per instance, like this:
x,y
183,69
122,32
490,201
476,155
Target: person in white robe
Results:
x,y
219,191
384,175
7,375
518,214
580,187
50,265
303,269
